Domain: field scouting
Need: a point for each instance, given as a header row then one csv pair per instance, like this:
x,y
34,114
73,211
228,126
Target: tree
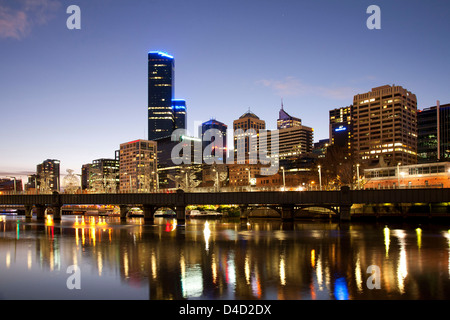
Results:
x,y
338,168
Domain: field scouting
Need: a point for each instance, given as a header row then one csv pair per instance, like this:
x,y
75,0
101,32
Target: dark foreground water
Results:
x,y
103,258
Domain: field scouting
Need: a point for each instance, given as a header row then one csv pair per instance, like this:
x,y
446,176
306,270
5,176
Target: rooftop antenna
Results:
x,y
282,104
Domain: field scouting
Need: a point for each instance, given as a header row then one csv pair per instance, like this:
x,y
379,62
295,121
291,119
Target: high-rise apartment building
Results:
x,y
385,126
218,148
138,166
161,119
48,175
433,126
248,125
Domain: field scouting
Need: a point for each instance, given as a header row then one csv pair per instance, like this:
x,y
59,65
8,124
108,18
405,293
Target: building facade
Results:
x,y
179,113
425,175
294,139
161,73
245,131
138,166
218,148
48,174
102,176
433,126
285,120
341,128
385,126
12,185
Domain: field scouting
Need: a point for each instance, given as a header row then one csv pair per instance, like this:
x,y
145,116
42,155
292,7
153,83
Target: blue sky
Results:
x,y
75,95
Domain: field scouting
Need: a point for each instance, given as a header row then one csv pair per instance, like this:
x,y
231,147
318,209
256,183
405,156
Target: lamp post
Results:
x,y
357,174
398,174
284,179
320,177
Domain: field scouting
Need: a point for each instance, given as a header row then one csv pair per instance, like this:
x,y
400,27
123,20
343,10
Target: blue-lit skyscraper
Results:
x,y
161,120
179,113
219,148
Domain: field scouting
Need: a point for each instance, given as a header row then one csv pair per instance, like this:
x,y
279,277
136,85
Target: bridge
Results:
x,y
284,202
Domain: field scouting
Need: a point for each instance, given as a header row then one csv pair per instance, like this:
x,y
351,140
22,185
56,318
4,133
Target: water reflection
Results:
x,y
224,259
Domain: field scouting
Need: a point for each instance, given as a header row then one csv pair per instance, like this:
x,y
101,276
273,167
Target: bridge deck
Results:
x,y
239,198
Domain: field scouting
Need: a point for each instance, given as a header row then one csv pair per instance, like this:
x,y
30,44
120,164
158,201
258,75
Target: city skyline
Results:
x,y
76,95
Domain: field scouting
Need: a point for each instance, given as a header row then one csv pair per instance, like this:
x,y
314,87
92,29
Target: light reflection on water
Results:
x,y
228,259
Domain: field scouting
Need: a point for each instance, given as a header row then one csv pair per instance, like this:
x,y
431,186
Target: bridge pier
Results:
x,y
287,213
57,213
123,211
181,214
40,212
243,212
149,212
344,212
28,212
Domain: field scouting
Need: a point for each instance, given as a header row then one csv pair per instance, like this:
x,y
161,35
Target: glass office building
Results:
x,y
179,113
430,137
160,94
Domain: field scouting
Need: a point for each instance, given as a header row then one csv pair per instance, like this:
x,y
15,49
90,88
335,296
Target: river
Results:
x,y
104,258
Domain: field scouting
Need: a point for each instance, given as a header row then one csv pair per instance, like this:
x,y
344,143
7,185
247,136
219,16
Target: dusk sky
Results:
x,y
76,95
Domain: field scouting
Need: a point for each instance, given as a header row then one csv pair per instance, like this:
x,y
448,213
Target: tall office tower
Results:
x,y
385,126
48,175
433,126
179,113
250,124
138,166
160,94
287,121
341,128
219,148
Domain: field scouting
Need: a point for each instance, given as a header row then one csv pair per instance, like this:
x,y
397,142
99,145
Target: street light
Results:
x,y
284,179
398,174
320,177
357,173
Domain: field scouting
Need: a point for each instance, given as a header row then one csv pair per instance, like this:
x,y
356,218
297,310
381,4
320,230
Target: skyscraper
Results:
x,y
48,175
341,128
247,126
138,166
179,113
161,120
285,120
102,175
219,148
385,126
294,138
